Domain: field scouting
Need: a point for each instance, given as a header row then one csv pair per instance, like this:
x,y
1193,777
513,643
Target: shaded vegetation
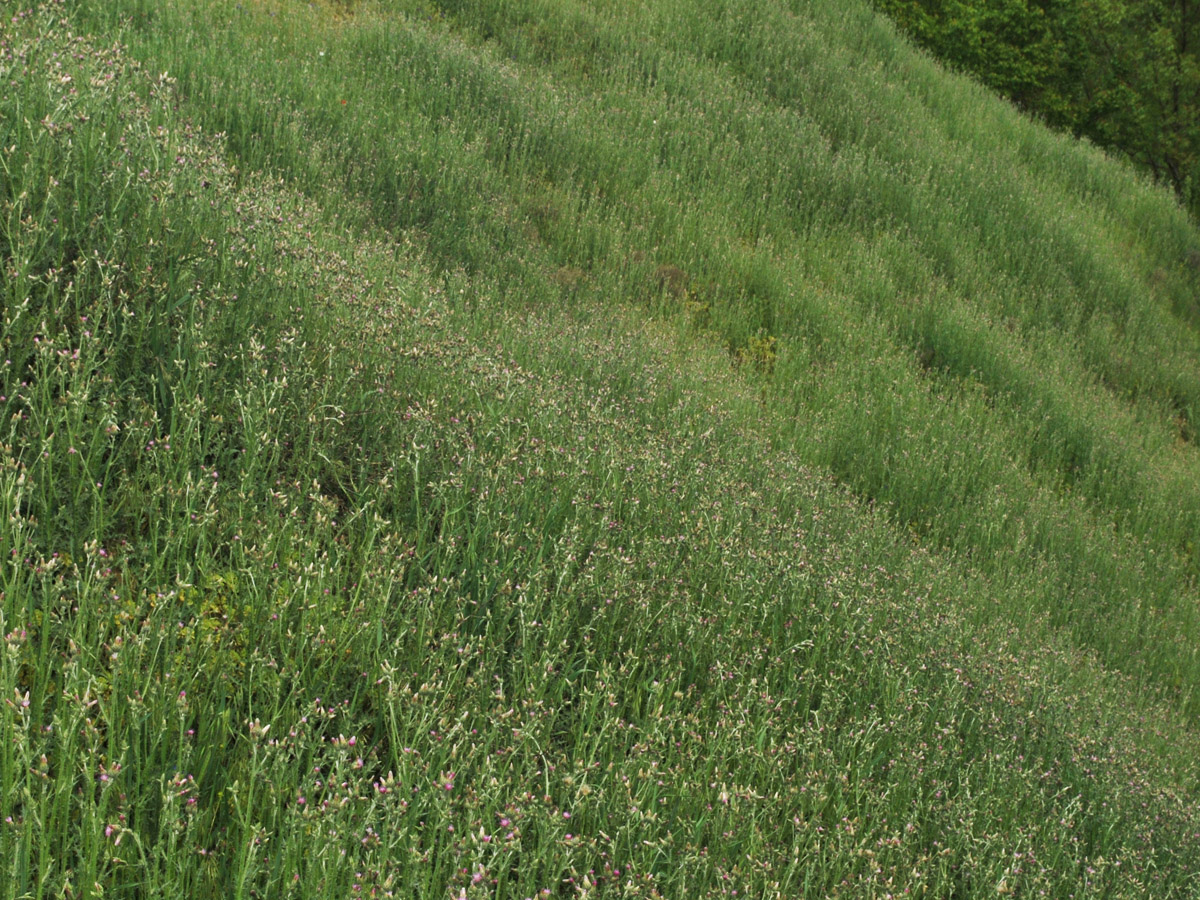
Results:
x,y
1124,73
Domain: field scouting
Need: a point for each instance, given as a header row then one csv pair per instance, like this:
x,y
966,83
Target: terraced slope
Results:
x,y
543,448
984,326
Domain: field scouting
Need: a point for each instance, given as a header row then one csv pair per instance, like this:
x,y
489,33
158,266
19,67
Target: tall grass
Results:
x,y
1023,302
421,460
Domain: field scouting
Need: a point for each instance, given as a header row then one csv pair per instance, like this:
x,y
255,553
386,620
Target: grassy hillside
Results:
x,y
582,449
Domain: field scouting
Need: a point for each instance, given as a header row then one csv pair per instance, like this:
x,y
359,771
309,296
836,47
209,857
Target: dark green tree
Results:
x,y
1124,73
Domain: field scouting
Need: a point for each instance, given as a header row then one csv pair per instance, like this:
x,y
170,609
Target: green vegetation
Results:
x,y
557,448
1124,73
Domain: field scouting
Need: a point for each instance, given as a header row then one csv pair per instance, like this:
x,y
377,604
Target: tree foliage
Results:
x,y
1123,73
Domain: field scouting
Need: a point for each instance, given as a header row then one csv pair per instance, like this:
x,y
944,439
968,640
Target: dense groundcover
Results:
x,y
433,466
